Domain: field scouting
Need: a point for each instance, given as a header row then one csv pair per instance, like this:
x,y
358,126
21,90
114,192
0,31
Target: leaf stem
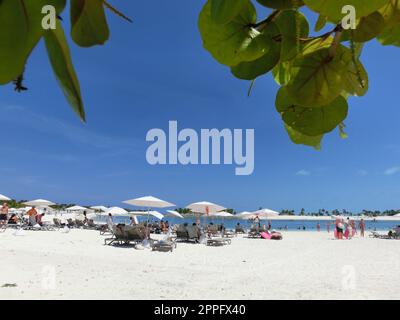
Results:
x,y
266,21
116,11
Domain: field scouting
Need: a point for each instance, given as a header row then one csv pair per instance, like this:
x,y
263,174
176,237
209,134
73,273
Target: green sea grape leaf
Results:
x,y
20,31
88,23
355,80
316,44
281,4
234,42
311,121
253,69
316,78
281,73
223,11
333,8
391,12
390,36
391,32
367,28
292,25
61,62
299,138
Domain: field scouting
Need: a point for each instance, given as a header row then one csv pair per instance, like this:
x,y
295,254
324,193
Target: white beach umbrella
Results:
x,y
149,202
116,211
99,208
39,203
205,207
262,214
137,213
222,214
4,198
172,213
77,208
156,214
244,213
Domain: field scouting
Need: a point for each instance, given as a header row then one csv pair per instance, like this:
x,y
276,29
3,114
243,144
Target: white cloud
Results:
x,y
392,171
303,173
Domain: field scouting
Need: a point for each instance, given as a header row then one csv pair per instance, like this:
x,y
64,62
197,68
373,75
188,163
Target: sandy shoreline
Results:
x,y
305,265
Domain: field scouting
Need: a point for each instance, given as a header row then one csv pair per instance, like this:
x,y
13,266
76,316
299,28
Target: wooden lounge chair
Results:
x,y
92,226
390,235
164,245
213,230
229,234
239,229
125,235
188,233
218,242
254,233
80,224
57,223
71,223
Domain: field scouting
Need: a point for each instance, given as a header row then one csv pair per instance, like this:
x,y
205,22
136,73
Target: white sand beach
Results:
x,y
305,265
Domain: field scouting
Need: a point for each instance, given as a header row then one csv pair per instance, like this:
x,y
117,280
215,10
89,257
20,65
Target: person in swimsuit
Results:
x,y
4,214
13,219
32,213
362,227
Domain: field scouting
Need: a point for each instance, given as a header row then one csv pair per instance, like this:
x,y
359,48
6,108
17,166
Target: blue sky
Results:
x,y
156,70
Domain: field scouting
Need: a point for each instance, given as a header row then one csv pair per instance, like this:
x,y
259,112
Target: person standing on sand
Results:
x,y
362,227
110,219
318,227
328,227
4,214
339,229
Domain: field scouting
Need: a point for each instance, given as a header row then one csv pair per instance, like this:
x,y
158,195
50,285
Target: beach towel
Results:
x,y
265,235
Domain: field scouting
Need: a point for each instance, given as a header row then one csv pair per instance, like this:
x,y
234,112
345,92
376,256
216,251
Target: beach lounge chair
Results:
x,y
92,226
254,232
213,230
80,224
57,223
125,235
392,234
167,245
188,233
71,223
218,242
117,238
228,234
239,229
